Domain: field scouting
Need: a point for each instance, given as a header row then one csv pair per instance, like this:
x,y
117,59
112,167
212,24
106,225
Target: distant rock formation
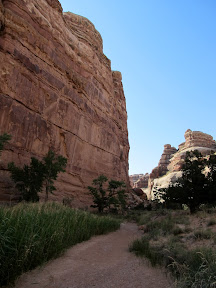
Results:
x,y
58,92
170,164
142,182
194,140
162,167
134,178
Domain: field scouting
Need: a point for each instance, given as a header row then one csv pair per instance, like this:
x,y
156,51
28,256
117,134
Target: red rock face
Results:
x,y
58,92
162,167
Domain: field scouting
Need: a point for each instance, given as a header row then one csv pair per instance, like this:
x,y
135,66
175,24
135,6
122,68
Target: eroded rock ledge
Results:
x,y
170,164
58,91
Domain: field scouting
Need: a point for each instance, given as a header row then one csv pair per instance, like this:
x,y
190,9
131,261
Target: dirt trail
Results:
x,y
102,262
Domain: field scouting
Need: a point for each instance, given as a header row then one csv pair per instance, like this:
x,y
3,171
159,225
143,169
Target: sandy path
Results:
x,y
102,262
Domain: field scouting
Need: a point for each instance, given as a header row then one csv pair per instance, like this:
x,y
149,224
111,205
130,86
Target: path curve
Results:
x,y
102,262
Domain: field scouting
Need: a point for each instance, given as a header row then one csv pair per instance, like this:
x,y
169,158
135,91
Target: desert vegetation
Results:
x,y
183,243
4,138
31,179
110,199
196,187
31,234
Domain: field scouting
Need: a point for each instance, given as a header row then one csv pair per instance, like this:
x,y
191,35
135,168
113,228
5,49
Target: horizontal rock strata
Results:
x,y
58,92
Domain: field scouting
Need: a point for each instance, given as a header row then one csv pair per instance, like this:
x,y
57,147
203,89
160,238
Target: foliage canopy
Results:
x,y
113,198
4,138
196,186
31,179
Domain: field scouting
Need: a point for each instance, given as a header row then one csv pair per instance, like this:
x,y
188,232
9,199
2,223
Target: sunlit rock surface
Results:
x,y
170,164
58,92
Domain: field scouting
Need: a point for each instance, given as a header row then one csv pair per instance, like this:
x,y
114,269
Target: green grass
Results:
x,y
211,222
141,247
165,243
194,268
31,234
203,234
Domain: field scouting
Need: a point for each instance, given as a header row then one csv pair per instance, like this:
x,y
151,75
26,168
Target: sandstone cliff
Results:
x,y
58,91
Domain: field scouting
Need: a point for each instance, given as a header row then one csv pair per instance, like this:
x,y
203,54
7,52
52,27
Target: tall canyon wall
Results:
x,y
58,92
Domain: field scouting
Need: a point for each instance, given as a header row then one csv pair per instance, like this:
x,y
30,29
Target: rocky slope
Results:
x,y
58,91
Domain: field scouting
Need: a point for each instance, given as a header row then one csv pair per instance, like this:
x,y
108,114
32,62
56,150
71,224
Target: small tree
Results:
x,y
193,188
4,138
99,194
117,196
211,177
114,196
53,164
29,179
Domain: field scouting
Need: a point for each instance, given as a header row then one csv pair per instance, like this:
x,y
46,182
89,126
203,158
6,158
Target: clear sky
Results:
x,y
166,52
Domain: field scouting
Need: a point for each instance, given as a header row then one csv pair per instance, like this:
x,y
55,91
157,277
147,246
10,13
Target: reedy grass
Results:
x,y
31,234
203,234
211,222
194,268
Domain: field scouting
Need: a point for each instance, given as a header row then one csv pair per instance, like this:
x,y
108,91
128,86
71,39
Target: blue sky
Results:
x,y
166,52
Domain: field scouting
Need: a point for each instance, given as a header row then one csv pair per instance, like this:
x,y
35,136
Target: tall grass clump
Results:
x,y
188,254
198,270
192,269
141,247
31,234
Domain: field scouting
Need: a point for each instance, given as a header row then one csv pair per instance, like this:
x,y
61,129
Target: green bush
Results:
x,y
31,234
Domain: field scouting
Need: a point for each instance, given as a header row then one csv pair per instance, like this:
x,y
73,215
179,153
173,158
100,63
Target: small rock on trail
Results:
x,y
102,262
